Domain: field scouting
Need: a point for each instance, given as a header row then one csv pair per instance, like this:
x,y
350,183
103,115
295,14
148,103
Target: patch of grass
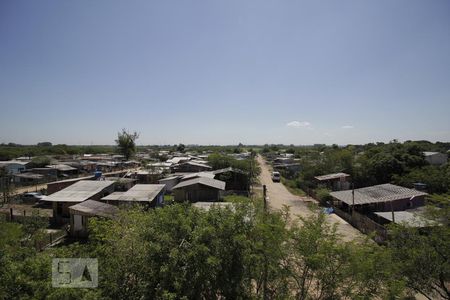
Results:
x,y
236,199
168,198
292,187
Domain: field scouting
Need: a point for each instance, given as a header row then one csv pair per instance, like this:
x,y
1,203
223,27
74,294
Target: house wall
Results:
x,y
397,205
437,159
196,193
14,168
61,212
170,183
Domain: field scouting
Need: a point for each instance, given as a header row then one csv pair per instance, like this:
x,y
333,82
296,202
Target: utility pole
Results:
x,y
265,292
392,211
265,198
250,179
353,198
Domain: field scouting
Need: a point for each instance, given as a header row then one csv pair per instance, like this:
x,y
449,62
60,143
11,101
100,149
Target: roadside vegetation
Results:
x,y
292,186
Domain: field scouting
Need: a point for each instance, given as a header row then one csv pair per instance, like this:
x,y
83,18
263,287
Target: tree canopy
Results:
x,y
126,143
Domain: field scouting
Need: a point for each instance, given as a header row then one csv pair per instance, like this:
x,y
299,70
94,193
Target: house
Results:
x,y
147,194
236,180
81,212
63,170
47,172
55,186
189,176
335,181
173,180
199,189
170,182
435,158
146,176
76,193
178,160
283,160
378,198
188,167
122,184
287,164
28,177
13,167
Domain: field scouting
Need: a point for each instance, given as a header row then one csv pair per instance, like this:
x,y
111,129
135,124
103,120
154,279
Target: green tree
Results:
x,y
39,162
181,148
126,143
423,258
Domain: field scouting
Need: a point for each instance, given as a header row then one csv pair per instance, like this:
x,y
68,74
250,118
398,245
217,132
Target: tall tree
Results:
x,y
126,143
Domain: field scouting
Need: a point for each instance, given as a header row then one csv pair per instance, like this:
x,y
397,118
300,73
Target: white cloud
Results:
x,y
298,124
348,127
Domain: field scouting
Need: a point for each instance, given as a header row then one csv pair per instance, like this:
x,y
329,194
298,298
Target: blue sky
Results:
x,y
224,72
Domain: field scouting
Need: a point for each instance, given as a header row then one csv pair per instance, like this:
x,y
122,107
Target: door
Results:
x,y
77,222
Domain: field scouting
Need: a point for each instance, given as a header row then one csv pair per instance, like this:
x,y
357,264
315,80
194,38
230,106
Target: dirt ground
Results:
x,y
279,196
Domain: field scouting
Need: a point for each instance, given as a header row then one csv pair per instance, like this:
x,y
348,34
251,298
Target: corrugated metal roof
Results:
x,y
376,194
95,208
229,169
407,218
169,178
195,164
29,175
218,184
429,153
61,167
178,159
139,193
331,176
199,174
113,196
79,191
11,162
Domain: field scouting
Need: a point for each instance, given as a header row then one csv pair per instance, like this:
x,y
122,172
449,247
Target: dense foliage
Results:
x,y
181,252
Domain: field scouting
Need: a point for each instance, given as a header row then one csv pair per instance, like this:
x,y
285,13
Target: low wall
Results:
x,y
364,224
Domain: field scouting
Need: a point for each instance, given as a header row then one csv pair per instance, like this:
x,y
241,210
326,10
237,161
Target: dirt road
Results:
x,y
279,196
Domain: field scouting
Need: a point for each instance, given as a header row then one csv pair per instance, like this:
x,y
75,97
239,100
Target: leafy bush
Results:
x,y
323,195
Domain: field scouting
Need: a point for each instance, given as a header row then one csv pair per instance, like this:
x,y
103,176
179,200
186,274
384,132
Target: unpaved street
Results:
x,y
279,196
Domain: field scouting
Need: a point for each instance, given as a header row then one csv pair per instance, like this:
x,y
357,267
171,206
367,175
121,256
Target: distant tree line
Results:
x,y
11,151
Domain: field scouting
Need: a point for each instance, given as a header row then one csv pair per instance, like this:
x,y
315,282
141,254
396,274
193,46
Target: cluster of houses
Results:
x,y
22,172
371,208
186,178
284,162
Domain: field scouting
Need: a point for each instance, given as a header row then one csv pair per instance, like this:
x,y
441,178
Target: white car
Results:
x,y
276,176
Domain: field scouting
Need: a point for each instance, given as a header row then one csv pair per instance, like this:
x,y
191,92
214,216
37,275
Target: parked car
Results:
x,y
32,197
276,177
